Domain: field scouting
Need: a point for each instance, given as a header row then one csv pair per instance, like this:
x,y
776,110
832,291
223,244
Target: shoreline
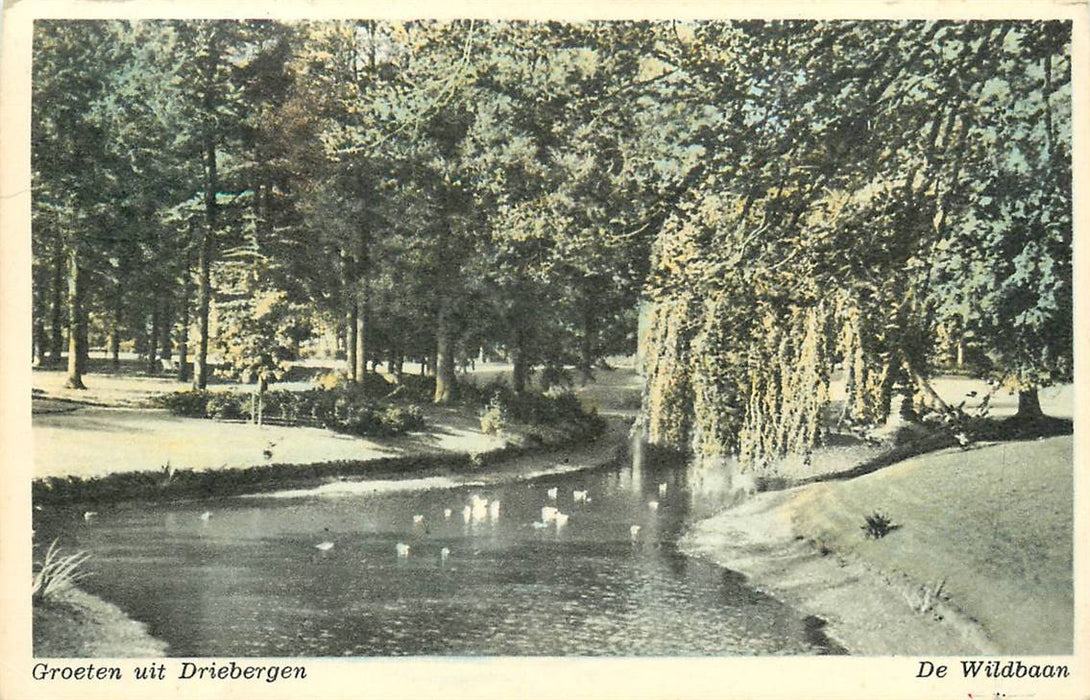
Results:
x,y
998,513
79,624
866,612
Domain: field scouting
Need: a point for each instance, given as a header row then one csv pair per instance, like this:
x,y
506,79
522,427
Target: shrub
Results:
x,y
224,406
401,419
876,526
331,380
361,421
417,388
192,403
494,416
56,573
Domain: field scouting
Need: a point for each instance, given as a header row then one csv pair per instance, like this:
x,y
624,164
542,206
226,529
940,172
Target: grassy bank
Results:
x,y
977,558
168,484
77,624
993,526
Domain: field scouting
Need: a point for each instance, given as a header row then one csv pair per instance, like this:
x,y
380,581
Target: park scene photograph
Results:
x,y
614,338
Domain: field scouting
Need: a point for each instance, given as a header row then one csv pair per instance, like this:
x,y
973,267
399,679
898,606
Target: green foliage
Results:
x,y
506,406
191,404
224,405
494,416
346,409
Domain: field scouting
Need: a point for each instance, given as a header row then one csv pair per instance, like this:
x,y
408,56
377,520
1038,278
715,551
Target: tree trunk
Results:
x,y
519,370
83,345
1029,404
57,321
930,399
586,345
211,187
183,335
39,340
166,326
75,322
446,386
360,334
351,328
204,297
153,338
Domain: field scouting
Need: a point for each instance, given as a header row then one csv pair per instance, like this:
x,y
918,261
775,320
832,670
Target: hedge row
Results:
x,y
344,409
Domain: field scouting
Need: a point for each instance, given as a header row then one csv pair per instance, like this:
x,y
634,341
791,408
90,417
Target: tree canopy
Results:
x,y
783,200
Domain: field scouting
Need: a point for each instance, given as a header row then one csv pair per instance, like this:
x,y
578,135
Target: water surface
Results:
x,y
249,580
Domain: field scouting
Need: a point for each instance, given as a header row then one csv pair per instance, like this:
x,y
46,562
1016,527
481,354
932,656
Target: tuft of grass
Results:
x,y
876,525
56,572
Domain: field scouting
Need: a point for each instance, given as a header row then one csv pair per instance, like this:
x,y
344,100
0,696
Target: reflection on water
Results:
x,y
437,572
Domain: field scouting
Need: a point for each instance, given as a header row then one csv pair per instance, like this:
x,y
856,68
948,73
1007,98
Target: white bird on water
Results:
x,y
447,512
653,505
634,532
551,493
89,514
494,510
324,546
662,489
548,514
417,519
402,549
578,496
206,515
444,553
561,519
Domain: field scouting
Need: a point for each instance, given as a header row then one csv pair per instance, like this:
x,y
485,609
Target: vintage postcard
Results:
x,y
469,350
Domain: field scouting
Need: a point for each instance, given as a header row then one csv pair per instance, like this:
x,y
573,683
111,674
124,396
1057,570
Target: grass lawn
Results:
x,y
994,523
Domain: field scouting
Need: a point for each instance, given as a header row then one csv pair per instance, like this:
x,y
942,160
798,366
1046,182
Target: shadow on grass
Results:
x,y
933,440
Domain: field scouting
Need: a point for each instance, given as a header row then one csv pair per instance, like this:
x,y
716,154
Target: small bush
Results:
x,y
224,406
56,573
876,526
192,404
494,416
417,388
401,419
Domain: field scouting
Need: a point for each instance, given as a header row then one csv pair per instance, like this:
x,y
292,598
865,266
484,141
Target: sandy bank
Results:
x,y
989,529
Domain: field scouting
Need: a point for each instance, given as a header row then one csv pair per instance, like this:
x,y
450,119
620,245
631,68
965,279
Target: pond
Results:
x,y
436,572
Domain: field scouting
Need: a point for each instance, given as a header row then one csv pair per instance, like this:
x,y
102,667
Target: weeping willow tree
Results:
x,y
861,190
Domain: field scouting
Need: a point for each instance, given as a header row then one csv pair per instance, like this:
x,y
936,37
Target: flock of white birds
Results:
x,y
480,509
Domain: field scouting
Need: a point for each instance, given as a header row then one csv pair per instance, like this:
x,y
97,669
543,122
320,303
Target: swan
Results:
x,y
447,512
551,493
444,553
634,531
417,519
662,489
402,549
578,496
561,519
548,514
89,514
653,505
206,515
324,546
